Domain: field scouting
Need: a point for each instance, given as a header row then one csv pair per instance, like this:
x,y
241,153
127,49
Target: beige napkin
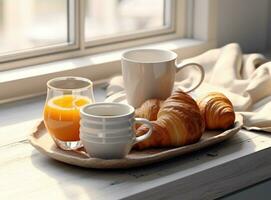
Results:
x,y
244,78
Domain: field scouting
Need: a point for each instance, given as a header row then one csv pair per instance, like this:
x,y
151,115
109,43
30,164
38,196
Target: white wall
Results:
x,y
269,26
246,22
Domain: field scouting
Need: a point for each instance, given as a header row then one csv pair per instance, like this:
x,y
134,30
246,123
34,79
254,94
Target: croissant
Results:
x,y
149,109
217,111
178,122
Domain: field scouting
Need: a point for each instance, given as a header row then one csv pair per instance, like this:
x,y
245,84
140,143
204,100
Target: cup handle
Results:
x,y
180,67
146,135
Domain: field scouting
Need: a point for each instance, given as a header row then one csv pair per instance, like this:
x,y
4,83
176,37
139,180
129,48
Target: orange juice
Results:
x,y
62,116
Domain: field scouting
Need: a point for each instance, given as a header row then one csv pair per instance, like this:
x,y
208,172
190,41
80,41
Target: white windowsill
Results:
x,y
86,61
207,174
31,81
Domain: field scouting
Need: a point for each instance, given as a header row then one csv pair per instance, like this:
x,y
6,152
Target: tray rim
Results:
x,y
87,162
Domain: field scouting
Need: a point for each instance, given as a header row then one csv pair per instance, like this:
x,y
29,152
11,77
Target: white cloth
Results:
x,y
244,78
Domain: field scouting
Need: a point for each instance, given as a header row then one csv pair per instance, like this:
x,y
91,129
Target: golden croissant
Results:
x,y
149,109
217,111
178,121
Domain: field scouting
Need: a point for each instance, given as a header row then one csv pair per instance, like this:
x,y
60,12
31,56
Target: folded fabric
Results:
x,y
244,78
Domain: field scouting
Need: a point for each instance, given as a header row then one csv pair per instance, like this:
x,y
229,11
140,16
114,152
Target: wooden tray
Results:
x,y
42,141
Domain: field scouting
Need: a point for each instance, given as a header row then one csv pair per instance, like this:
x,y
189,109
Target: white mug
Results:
x,y
107,130
150,73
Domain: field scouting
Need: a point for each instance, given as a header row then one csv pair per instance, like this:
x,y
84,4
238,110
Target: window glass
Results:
x,y
26,24
105,18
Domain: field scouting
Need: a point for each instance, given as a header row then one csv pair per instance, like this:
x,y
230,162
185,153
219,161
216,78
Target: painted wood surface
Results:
x,y
210,173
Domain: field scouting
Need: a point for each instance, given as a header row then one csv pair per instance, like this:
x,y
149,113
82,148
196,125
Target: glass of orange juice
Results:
x,y
65,97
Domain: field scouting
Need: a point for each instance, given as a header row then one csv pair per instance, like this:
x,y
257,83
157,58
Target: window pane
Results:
x,y
105,18
26,24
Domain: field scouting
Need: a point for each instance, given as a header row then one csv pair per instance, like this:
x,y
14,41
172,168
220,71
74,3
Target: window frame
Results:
x,y
201,35
79,47
50,49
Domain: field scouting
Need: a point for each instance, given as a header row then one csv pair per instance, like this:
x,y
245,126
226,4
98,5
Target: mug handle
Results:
x,y
180,67
146,135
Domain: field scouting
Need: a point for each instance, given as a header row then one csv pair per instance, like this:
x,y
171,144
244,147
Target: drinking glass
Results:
x,y
65,97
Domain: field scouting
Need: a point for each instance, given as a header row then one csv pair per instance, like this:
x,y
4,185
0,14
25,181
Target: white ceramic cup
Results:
x,y
107,150
89,132
106,139
102,122
150,73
